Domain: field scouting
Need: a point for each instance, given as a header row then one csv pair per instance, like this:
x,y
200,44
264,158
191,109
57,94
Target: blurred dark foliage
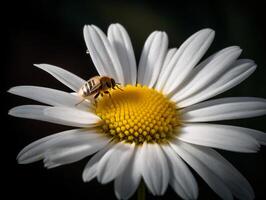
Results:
x,y
51,32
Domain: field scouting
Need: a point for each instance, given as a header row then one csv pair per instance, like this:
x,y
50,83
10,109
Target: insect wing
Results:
x,y
94,84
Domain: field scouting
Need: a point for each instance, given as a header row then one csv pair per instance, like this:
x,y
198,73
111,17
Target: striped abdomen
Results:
x,y
90,87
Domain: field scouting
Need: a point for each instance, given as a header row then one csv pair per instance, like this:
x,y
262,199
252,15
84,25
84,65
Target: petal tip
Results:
x,y
18,158
11,90
21,159
84,177
11,112
211,31
42,66
207,31
38,65
86,27
20,162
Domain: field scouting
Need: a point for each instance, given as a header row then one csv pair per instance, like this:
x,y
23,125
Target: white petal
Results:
x,y
152,58
213,69
51,165
167,69
90,170
258,135
103,54
114,162
128,181
121,42
31,149
187,56
181,179
74,116
67,78
238,72
50,96
65,153
212,179
229,138
154,168
224,109
35,112
35,151
62,156
58,115
144,56
238,185
170,54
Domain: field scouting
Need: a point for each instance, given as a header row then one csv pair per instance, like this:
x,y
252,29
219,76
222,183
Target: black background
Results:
x,y
51,32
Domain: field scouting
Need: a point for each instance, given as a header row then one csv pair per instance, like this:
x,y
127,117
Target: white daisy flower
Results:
x,y
158,124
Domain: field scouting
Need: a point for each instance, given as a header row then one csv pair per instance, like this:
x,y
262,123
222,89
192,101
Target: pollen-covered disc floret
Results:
x,y
138,114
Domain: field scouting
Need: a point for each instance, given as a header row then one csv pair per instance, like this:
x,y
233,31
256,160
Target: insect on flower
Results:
x,y
161,123
97,85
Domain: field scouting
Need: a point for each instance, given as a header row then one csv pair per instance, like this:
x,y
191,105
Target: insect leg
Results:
x,y
107,92
96,95
95,98
80,102
116,85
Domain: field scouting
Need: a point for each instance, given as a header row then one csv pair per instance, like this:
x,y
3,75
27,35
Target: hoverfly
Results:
x,y
97,85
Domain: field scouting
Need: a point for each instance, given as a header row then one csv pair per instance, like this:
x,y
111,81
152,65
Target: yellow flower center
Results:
x,y
138,114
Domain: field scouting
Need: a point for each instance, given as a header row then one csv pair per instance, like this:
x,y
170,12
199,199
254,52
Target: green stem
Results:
x,y
141,191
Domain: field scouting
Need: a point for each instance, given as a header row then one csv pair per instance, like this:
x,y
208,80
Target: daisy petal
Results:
x,y
154,168
187,56
225,109
239,71
181,179
35,151
152,57
35,112
65,154
90,170
206,173
214,68
144,56
167,68
170,54
103,54
258,135
128,181
67,78
30,149
114,162
49,96
58,115
73,116
219,136
121,42
238,185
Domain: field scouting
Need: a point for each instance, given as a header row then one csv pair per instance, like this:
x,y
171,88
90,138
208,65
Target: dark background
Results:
x,y
51,32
